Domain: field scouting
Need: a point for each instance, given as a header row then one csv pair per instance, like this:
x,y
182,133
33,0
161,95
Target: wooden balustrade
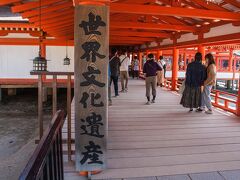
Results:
x,y
217,95
47,160
56,82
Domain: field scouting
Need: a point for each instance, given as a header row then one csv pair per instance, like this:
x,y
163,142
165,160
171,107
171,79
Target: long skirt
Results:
x,y
160,77
191,97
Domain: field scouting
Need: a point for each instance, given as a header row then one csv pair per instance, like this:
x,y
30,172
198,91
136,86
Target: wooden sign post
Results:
x,y
91,84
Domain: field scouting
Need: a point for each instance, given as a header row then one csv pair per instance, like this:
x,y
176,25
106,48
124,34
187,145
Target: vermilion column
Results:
x,y
238,100
159,53
185,61
43,54
140,61
217,63
230,59
201,49
175,68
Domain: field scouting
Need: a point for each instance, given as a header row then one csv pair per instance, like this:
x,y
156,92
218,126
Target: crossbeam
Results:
x,y
153,26
174,11
139,34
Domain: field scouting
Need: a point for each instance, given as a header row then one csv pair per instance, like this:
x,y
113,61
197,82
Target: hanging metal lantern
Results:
x,y
66,61
39,64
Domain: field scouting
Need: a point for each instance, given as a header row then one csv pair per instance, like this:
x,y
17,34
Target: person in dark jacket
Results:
x,y
195,76
150,71
114,63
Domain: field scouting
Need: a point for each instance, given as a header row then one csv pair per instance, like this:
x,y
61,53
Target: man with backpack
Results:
x,y
114,64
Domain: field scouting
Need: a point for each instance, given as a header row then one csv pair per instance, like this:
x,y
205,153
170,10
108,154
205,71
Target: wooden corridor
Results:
x,y
164,139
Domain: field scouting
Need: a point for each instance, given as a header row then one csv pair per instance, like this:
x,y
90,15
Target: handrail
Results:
x,y
54,83
46,161
50,73
216,94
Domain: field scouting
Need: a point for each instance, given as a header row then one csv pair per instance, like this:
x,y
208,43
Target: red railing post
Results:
x,y
238,99
216,97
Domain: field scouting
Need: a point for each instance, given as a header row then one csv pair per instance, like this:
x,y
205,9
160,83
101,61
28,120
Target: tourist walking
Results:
x,y
114,64
208,84
150,71
160,74
195,76
164,65
124,63
135,66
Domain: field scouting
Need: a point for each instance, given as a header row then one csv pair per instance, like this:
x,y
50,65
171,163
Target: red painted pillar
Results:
x,y
175,68
230,60
217,63
140,61
185,61
43,54
201,49
238,100
159,53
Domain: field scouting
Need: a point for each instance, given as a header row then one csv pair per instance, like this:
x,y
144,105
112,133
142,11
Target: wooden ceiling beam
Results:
x,y
7,2
139,34
54,15
209,5
233,2
152,26
32,5
55,20
132,39
57,28
138,1
59,24
17,25
50,9
174,11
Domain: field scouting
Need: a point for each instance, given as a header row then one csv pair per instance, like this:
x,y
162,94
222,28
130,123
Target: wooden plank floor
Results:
x,y
164,139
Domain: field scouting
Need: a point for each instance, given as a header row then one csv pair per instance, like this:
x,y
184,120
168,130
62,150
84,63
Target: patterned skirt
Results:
x,y
191,97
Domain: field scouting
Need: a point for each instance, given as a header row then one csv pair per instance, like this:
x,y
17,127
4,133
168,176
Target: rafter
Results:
x,y
57,7
174,11
144,39
209,5
233,2
60,24
139,34
55,20
7,2
54,15
152,26
32,5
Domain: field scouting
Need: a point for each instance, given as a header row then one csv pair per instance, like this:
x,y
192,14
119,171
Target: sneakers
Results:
x,y
209,111
109,103
122,91
148,103
199,110
191,110
153,101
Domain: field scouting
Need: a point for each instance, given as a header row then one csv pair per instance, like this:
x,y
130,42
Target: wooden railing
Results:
x,y
217,96
56,81
46,163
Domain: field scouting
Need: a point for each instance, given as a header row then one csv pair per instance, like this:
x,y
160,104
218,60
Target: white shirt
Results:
x,y
136,65
125,63
162,62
